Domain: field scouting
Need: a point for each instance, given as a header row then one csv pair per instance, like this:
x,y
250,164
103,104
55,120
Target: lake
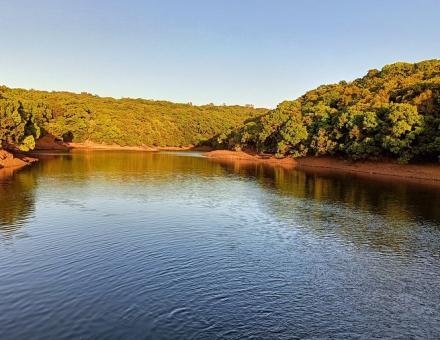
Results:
x,y
111,245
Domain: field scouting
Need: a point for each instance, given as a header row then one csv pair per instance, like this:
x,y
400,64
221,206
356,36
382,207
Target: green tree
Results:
x,y
17,126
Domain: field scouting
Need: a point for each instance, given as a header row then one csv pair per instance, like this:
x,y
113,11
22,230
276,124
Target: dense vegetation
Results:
x,y
394,112
25,115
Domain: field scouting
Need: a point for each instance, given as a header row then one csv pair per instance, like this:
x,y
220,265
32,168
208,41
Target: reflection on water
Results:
x,y
174,245
16,201
401,204
328,199
394,198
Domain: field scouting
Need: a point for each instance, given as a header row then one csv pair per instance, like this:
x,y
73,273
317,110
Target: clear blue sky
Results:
x,y
221,51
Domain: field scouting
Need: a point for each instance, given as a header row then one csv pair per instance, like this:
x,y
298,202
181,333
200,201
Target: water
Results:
x,y
111,245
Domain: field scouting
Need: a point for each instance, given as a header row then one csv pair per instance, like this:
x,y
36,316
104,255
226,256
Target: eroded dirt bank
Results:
x,y
9,162
98,146
49,143
426,172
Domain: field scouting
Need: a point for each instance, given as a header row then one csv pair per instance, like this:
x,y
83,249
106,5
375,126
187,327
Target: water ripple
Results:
x,y
161,246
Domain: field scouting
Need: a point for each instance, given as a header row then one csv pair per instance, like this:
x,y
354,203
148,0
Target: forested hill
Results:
x,y
392,113
26,115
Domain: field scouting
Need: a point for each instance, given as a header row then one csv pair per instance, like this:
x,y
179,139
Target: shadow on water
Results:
x,y
132,245
17,201
381,213
123,165
374,211
397,198
80,169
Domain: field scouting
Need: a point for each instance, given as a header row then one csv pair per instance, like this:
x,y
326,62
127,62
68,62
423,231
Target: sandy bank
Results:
x,y
98,146
426,172
8,161
286,162
50,143
101,146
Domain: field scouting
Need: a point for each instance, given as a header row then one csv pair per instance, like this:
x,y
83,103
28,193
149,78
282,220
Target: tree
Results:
x,y
402,123
17,126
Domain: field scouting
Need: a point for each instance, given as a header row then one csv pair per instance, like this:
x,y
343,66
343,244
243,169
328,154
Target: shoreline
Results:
x,y
429,172
48,143
9,162
109,147
420,172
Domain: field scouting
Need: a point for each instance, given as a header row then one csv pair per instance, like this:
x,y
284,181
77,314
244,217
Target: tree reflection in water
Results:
x,y
378,212
369,211
17,201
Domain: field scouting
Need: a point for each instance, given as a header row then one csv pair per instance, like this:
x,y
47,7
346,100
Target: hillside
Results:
x,y
388,113
26,115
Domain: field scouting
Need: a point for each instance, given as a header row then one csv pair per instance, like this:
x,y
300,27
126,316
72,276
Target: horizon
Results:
x,y
228,53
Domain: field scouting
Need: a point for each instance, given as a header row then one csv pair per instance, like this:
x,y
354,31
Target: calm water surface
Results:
x,y
110,245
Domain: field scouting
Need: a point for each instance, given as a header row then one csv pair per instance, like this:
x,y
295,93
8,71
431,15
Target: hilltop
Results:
x,y
27,115
392,113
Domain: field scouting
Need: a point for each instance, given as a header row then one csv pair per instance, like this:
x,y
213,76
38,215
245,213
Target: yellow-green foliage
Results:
x,y
81,117
17,125
394,112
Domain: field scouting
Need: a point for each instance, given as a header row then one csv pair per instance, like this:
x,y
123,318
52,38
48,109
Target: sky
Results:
x,y
202,51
